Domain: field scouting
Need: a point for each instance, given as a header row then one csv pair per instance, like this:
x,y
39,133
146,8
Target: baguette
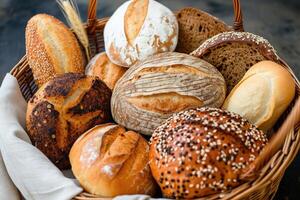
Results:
x,y
51,49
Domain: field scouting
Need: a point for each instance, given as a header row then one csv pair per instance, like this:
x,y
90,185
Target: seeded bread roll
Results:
x,y
109,161
105,70
139,29
51,49
63,109
262,95
155,88
196,26
233,53
202,151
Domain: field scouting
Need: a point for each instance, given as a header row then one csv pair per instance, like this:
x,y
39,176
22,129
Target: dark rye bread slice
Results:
x,y
233,53
196,26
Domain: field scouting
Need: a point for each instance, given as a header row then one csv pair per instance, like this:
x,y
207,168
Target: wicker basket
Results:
x,y
266,183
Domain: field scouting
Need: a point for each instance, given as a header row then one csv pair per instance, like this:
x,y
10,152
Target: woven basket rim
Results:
x,y
264,187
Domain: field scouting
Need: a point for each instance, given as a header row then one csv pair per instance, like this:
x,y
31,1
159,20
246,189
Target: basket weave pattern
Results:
x,y
264,187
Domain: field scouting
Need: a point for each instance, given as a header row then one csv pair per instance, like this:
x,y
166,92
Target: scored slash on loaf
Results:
x,y
152,90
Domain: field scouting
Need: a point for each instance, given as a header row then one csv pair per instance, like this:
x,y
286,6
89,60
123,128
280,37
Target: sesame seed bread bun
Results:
x,y
202,151
139,29
233,53
110,161
62,110
51,48
103,68
262,95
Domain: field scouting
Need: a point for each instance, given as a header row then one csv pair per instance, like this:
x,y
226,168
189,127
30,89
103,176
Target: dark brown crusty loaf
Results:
x,y
233,53
203,151
51,48
196,26
62,110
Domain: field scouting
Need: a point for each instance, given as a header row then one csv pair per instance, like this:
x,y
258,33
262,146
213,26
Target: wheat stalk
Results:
x,y
70,11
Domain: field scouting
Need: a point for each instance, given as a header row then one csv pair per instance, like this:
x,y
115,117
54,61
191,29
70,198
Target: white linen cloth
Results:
x,y
29,169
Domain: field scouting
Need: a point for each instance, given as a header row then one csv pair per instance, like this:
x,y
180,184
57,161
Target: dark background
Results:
x,y
276,20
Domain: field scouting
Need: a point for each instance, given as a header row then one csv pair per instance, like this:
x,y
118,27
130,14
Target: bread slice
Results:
x,y
195,26
233,53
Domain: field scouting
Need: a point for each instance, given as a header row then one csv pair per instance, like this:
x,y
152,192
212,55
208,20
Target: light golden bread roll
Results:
x,y
262,95
62,110
109,161
104,69
203,151
139,29
155,88
51,48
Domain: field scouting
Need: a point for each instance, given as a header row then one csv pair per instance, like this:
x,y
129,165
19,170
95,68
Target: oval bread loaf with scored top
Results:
x,y
110,161
51,49
152,90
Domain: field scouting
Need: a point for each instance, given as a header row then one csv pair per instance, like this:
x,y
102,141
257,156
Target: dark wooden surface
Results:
x,y
276,20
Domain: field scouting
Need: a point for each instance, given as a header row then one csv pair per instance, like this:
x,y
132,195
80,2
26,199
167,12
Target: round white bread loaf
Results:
x,y
109,161
262,95
138,29
104,69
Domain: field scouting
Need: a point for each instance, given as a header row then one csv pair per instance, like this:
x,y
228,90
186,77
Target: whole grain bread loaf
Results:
x,y
233,53
196,26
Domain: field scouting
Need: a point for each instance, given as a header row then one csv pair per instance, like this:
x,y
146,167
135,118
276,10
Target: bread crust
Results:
x,y
105,70
233,53
109,161
262,106
202,151
152,90
266,49
51,48
62,110
139,29
196,26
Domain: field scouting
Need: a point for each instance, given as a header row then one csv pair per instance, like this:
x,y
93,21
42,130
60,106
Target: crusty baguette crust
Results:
x,y
51,48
